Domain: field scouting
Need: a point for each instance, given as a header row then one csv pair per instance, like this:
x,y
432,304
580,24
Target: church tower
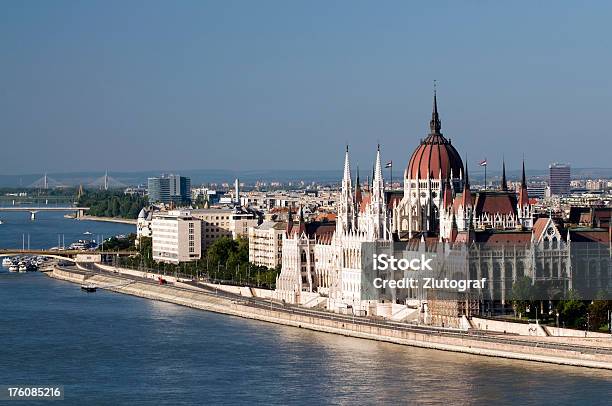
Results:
x,y
378,206
524,208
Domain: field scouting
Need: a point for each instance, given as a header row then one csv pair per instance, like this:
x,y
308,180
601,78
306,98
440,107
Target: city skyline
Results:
x,y
219,88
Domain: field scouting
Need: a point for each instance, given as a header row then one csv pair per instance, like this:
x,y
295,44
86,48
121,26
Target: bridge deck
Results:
x,y
43,208
67,253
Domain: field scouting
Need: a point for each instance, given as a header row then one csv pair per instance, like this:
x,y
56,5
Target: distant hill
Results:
x,y
200,176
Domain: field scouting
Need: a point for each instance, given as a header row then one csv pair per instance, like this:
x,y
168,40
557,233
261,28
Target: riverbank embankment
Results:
x,y
107,219
270,311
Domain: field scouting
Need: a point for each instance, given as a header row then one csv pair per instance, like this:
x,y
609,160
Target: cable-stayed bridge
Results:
x,y
45,182
104,182
107,182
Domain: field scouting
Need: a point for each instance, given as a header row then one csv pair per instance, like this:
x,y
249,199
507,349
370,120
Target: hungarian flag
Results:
x,y
483,163
389,164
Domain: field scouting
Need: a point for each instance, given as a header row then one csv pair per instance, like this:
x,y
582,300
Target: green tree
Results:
x,y
523,294
573,310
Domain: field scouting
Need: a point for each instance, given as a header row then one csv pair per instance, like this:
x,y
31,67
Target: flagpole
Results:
x,y
485,186
391,172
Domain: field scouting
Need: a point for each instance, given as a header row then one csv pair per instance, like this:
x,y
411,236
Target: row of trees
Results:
x,y
113,204
226,260
572,310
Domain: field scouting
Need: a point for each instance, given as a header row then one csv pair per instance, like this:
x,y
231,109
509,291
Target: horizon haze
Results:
x,y
128,87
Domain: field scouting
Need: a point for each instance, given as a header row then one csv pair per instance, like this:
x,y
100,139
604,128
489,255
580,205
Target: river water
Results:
x,y
108,348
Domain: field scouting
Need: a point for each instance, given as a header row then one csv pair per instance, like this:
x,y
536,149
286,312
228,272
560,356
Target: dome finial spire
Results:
x,y
504,182
435,125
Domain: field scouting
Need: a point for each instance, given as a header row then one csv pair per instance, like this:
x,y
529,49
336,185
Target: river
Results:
x,y
108,348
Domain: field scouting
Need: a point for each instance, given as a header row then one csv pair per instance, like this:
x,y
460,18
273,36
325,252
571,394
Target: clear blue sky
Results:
x,y
139,85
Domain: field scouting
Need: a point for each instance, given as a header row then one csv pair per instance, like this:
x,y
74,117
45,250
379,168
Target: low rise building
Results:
x,y
266,243
177,237
143,224
225,222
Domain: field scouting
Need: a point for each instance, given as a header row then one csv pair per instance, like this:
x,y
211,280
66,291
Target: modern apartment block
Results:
x,y
177,237
559,179
169,189
266,243
159,190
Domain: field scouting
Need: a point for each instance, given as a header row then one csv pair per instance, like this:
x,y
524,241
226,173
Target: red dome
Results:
x,y
435,154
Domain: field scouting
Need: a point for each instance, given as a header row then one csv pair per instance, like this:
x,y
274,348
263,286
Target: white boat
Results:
x,y
1,222
23,267
87,233
13,268
7,261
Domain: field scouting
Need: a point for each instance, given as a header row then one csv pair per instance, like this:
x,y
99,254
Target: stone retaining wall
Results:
x,y
345,327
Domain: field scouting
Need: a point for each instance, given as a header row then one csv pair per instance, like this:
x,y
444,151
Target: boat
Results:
x,y
13,268
89,288
87,233
1,222
23,267
6,262
31,267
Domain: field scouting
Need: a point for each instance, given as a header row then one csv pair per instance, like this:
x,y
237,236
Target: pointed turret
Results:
x,y
346,205
448,194
466,198
523,195
346,179
378,181
358,194
378,208
504,182
289,221
302,225
454,229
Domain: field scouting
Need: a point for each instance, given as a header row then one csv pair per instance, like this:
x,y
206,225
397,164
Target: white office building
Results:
x,y
177,237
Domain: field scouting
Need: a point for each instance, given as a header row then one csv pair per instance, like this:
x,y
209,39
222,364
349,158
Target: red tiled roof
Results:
x,y
503,237
601,236
496,202
539,226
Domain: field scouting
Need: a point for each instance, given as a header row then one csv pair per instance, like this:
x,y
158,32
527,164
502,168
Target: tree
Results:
x,y
573,310
598,311
523,294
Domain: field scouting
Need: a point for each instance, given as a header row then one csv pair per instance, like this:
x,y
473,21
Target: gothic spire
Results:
x,y
289,220
523,194
466,198
448,194
347,168
504,183
378,177
302,224
466,176
435,125
358,196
